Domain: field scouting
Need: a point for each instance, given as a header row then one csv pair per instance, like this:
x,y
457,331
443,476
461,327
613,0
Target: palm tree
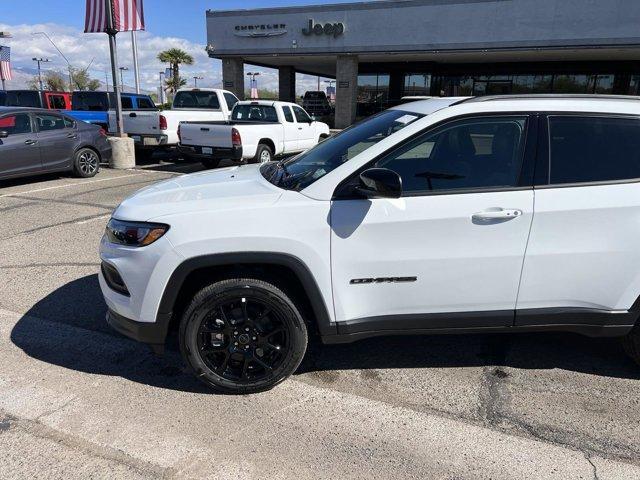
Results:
x,y
174,57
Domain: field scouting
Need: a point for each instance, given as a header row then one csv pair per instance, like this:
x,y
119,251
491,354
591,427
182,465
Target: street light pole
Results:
x,y
134,46
4,35
122,69
63,56
161,88
39,61
195,81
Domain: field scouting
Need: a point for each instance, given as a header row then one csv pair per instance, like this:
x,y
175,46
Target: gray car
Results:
x,y
35,141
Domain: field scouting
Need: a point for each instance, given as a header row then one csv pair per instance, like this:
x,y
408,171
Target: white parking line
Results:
x,y
89,220
36,190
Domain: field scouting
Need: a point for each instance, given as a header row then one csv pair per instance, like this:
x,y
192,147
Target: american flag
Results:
x,y
5,63
127,15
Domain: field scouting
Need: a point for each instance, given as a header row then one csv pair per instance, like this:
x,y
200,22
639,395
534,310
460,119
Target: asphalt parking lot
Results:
x,y
77,400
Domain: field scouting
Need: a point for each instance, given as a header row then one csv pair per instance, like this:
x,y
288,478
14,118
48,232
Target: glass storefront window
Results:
x,y
373,94
417,84
532,83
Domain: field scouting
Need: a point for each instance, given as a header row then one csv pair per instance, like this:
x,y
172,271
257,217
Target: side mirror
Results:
x,y
4,134
380,183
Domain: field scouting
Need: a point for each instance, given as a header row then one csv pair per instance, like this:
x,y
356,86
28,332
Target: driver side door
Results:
x,y
449,252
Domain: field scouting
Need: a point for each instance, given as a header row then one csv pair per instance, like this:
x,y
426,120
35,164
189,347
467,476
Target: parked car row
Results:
x,y
34,141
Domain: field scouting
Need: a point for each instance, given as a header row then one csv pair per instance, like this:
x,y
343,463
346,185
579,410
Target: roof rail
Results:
x,y
550,96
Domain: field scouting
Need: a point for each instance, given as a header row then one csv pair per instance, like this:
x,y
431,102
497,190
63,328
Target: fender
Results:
x,y
165,310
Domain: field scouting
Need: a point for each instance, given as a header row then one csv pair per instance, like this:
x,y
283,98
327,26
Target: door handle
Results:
x,y
496,214
133,115
30,142
299,128
72,135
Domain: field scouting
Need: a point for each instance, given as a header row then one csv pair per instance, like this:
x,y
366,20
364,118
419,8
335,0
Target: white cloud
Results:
x,y
84,49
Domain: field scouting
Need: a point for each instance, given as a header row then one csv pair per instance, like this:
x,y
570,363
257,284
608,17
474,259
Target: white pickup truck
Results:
x,y
257,132
154,129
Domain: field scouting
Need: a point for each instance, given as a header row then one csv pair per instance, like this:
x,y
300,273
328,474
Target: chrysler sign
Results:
x,y
329,29
260,30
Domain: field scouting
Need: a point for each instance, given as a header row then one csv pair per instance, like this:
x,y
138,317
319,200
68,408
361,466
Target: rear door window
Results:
x,y
145,103
127,103
288,116
231,100
57,102
593,149
48,122
16,124
257,113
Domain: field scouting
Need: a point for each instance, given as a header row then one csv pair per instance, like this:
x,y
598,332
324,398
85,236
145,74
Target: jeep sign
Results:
x,y
330,29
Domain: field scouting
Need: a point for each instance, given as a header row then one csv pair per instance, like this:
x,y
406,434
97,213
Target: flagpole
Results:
x,y
111,31
134,46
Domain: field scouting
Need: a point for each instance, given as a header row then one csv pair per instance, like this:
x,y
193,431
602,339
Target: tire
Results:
x,y
631,344
86,163
225,330
264,154
144,155
209,163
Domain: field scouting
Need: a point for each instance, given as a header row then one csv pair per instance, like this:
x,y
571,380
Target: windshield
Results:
x,y
197,99
301,171
258,113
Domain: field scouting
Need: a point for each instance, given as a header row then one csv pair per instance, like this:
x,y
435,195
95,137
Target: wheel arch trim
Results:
x,y
309,284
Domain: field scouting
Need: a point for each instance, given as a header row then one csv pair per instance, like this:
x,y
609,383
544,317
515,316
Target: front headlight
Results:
x,y
134,234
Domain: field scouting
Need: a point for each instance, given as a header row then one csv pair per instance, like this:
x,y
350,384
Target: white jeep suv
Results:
x,y
440,216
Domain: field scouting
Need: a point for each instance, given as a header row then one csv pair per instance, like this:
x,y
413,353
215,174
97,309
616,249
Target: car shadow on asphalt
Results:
x,y
67,328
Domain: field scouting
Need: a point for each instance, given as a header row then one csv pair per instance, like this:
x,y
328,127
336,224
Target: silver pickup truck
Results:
x,y
257,132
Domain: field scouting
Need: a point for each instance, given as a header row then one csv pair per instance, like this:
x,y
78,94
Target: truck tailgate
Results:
x,y
206,134
140,122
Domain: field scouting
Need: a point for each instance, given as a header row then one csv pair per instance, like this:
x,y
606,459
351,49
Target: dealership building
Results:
x,y
381,51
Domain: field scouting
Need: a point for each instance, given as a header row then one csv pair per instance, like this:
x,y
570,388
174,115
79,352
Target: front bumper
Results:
x,y
152,333
233,153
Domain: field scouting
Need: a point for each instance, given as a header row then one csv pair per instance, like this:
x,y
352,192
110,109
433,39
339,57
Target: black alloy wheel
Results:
x,y
242,336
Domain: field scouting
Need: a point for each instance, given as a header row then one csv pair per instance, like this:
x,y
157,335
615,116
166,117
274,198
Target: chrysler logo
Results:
x,y
329,29
260,30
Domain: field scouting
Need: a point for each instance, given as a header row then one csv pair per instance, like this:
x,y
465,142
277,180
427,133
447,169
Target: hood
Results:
x,y
221,189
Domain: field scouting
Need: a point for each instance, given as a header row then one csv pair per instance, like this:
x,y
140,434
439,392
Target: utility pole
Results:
x,y
4,35
122,69
136,74
39,61
195,81
63,56
111,31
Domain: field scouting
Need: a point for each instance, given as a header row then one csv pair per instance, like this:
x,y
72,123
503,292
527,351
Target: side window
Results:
x,y
48,122
145,103
470,153
288,116
301,115
57,102
16,124
127,103
593,149
230,99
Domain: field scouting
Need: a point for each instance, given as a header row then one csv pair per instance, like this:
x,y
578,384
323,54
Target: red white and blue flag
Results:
x,y
5,63
127,15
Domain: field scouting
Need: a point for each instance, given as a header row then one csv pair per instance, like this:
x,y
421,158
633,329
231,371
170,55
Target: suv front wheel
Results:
x,y
242,336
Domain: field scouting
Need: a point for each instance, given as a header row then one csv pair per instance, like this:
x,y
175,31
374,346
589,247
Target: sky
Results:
x,y
169,23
